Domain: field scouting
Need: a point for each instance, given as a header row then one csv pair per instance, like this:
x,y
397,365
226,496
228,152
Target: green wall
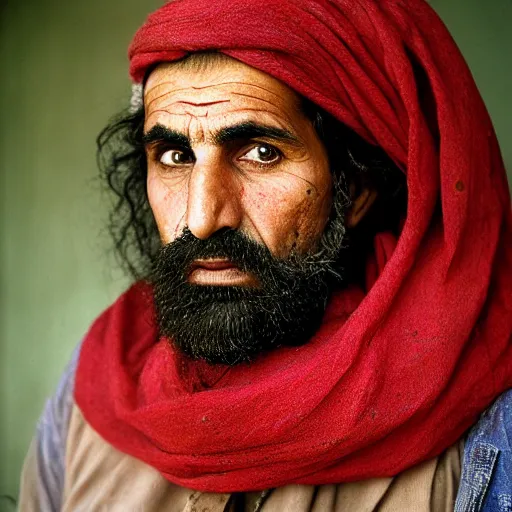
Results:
x,y
482,30
64,72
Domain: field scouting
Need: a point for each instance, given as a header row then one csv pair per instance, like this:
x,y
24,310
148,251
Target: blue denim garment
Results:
x,y
486,480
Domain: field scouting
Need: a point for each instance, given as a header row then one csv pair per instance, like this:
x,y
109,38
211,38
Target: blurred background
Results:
x,y
63,74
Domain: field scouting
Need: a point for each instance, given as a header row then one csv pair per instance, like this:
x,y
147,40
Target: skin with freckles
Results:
x,y
229,147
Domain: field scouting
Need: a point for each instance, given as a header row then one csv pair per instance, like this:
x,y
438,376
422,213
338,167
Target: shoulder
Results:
x,y
495,424
486,479
46,462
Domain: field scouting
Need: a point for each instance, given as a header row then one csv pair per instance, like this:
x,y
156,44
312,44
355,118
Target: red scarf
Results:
x,y
393,377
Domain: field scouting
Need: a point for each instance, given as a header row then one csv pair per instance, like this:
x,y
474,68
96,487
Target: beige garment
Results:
x,y
100,478
28,499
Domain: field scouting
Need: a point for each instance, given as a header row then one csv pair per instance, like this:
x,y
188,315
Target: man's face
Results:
x,y
241,192
237,152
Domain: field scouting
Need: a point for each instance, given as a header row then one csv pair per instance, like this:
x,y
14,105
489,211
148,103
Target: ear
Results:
x,y
360,206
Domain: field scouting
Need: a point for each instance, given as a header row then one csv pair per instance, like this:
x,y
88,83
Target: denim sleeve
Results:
x,y
48,450
486,480
499,430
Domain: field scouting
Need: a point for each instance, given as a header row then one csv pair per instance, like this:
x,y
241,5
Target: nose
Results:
x,y
213,199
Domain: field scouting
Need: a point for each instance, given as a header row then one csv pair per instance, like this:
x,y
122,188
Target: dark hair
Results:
x,y
353,162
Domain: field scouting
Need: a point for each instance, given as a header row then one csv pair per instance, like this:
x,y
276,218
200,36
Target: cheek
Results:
x,y
168,203
312,216
288,217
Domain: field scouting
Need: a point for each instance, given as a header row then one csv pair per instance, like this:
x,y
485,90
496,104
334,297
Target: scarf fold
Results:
x,y
393,376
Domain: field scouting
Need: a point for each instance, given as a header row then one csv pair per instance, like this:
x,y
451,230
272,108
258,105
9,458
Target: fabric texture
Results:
x,y
396,374
99,477
486,481
484,485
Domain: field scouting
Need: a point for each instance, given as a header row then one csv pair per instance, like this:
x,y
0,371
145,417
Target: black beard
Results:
x,y
232,324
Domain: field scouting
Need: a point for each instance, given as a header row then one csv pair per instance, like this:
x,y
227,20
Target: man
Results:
x,y
313,196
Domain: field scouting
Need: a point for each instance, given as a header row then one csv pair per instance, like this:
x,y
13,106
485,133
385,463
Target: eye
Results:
x,y
176,157
262,154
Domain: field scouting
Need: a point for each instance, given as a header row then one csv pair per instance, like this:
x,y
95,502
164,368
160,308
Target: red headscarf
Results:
x,y
391,378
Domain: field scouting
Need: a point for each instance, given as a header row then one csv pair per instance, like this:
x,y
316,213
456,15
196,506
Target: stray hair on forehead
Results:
x,y
201,61
196,62
354,164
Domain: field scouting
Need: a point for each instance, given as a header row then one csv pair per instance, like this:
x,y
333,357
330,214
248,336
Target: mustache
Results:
x,y
175,259
247,254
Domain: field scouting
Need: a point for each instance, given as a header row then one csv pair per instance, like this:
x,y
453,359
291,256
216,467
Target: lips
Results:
x,y
213,264
219,272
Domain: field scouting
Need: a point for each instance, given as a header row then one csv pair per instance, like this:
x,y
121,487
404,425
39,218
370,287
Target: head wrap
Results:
x,y
393,377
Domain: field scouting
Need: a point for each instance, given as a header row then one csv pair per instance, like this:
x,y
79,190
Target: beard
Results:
x,y
232,324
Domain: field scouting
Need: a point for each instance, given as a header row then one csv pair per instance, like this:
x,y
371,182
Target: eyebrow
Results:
x,y
160,133
251,130
242,131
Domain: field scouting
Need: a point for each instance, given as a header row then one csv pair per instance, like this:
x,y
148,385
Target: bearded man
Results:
x,y
313,202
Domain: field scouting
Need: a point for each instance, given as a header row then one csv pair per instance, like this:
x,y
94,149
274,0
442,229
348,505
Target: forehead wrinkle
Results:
x,y
185,101
173,91
168,107
221,84
253,97
283,112
200,88
147,102
205,104
277,119
249,85
162,111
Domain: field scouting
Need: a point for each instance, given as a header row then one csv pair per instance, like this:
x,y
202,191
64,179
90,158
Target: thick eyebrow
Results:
x,y
160,133
243,131
250,130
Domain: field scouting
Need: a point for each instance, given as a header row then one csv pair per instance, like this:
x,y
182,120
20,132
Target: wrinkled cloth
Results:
x,y
63,435
99,477
396,374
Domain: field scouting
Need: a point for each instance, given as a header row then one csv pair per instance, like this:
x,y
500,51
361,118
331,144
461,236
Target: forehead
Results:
x,y
220,88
